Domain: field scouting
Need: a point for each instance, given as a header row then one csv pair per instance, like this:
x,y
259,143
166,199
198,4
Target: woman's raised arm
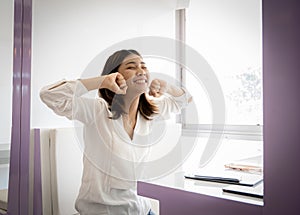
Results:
x,y
114,82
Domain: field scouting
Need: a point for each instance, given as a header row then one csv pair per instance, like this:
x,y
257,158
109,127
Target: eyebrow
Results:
x,y
134,63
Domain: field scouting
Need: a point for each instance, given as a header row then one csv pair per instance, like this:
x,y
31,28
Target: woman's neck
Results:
x,y
129,119
131,106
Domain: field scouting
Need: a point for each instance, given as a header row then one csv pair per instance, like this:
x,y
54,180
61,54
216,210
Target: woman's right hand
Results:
x,y
115,82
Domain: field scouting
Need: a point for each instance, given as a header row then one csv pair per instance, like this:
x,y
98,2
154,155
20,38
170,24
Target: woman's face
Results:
x,y
135,72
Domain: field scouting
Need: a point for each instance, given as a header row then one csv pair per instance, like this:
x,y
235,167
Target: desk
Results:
x,y
176,180
229,150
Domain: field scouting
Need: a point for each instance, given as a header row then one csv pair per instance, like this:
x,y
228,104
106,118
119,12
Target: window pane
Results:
x,y
230,40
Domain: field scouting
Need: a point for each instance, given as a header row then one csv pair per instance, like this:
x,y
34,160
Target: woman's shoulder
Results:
x,y
101,105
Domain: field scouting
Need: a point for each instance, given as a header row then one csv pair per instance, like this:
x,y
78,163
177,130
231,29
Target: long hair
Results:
x,y
115,101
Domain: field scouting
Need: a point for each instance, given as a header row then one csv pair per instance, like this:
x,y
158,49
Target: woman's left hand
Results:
x,y
158,87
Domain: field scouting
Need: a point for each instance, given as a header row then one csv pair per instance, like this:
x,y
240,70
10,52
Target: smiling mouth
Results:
x,y
141,81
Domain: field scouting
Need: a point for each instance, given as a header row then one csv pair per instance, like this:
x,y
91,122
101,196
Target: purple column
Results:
x,y
37,184
18,201
14,174
25,108
281,76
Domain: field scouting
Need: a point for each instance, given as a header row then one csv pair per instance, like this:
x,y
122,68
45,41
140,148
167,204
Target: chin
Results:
x,y
137,90
141,91
141,88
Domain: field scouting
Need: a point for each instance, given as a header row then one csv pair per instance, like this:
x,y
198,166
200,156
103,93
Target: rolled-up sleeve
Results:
x,y
65,98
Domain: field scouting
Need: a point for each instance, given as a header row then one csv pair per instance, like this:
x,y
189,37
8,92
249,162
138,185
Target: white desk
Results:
x,y
229,150
176,180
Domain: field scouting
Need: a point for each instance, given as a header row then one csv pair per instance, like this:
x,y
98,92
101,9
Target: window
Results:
x,y
228,36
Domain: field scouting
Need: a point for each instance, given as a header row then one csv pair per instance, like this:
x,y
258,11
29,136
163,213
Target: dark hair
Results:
x,y
115,101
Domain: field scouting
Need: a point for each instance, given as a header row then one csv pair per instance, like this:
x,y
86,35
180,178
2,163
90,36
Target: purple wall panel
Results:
x,y
37,183
25,108
18,200
13,193
282,105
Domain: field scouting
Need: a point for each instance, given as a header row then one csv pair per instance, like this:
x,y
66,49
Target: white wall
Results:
x,y
6,52
68,34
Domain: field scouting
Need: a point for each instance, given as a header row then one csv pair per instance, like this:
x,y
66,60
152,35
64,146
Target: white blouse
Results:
x,y
111,160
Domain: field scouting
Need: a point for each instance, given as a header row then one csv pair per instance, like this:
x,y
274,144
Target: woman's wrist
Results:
x,y
174,90
93,83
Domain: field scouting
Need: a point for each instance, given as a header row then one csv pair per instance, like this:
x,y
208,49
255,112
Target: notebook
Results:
x,y
256,191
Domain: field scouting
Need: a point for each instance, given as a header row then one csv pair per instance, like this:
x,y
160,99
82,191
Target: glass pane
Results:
x,y
228,35
6,62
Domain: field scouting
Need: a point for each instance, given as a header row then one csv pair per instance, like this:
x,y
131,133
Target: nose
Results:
x,y
141,72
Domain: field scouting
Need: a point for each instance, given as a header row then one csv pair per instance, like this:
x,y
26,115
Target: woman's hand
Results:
x,y
115,82
158,87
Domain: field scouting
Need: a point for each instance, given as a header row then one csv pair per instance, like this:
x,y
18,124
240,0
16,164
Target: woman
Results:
x,y
114,125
